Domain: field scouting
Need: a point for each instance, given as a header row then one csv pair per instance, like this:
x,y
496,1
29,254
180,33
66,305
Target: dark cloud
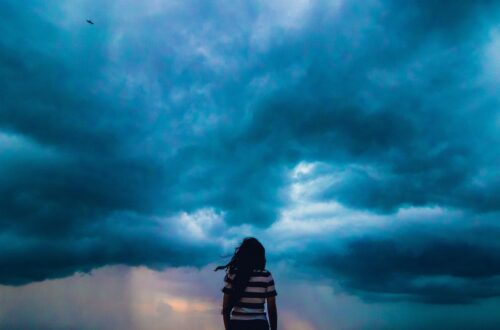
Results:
x,y
416,265
386,98
122,238
156,111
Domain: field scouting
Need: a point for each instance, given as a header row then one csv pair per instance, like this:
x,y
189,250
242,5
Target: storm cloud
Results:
x,y
146,137
417,266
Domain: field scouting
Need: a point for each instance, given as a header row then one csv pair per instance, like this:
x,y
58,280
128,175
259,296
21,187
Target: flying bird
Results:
x,y
90,22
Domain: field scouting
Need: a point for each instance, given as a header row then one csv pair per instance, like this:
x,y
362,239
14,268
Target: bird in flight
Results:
x,y
90,22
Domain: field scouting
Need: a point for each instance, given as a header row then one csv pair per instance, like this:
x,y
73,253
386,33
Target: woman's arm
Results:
x,y
272,312
225,310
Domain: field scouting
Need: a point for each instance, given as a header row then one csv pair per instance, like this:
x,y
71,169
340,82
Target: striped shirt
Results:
x,y
251,304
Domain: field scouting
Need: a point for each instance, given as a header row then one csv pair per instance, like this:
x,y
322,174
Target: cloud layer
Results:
x,y
168,130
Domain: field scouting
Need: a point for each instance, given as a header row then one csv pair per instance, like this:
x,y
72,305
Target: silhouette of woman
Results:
x,y
247,287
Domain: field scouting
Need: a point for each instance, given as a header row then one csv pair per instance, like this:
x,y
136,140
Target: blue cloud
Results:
x,y
169,108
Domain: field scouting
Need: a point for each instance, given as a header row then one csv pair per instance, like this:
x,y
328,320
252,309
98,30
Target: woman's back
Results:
x,y
251,304
247,288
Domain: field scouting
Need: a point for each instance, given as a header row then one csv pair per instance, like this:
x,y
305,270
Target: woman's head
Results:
x,y
251,254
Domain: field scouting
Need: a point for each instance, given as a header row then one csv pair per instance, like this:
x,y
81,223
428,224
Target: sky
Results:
x,y
356,139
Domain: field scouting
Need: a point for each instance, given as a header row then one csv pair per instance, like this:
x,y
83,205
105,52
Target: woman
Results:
x,y
248,285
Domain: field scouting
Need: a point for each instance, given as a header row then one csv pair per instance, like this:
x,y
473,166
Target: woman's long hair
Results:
x,y
248,256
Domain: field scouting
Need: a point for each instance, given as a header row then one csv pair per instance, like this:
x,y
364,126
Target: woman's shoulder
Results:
x,y
262,272
255,272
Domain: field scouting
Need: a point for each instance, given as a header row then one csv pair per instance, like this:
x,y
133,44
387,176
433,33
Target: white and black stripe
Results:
x,y
251,305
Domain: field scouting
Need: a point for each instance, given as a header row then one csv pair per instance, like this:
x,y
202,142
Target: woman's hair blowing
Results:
x,y
248,256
